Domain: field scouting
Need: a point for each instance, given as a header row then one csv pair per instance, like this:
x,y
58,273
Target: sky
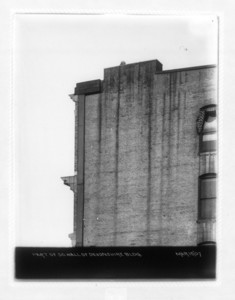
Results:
x,y
51,54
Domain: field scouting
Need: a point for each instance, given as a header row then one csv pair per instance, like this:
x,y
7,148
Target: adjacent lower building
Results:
x,y
145,157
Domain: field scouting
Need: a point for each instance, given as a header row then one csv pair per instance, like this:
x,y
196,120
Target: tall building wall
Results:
x,y
179,96
142,163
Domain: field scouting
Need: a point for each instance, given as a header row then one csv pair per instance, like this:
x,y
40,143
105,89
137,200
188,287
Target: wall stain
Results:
x,y
178,125
115,208
161,170
149,180
184,114
98,197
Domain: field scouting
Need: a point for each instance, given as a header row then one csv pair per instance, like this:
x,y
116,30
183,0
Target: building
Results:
x,y
145,157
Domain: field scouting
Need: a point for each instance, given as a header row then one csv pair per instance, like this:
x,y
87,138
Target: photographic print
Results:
x,y
115,146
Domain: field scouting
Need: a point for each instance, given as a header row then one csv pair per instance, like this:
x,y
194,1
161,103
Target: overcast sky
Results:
x,y
51,54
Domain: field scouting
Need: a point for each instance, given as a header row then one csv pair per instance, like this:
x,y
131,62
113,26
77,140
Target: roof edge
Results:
x,y
187,69
136,63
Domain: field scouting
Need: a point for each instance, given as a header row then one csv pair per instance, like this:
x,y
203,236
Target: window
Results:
x,y
207,196
207,128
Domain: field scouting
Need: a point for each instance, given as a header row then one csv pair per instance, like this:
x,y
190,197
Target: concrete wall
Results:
x,y
141,156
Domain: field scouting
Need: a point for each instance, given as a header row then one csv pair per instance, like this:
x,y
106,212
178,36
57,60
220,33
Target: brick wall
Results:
x,y
141,155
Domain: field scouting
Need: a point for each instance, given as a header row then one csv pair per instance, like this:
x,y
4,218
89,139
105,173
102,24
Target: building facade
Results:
x,y
145,157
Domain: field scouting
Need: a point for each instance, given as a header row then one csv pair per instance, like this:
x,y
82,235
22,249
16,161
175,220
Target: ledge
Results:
x,y
70,181
72,236
186,69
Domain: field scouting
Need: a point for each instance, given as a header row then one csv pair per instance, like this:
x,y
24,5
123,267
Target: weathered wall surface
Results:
x,y
141,156
179,96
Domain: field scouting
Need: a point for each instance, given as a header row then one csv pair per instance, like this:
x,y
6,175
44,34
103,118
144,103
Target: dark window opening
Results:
x,y
207,197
